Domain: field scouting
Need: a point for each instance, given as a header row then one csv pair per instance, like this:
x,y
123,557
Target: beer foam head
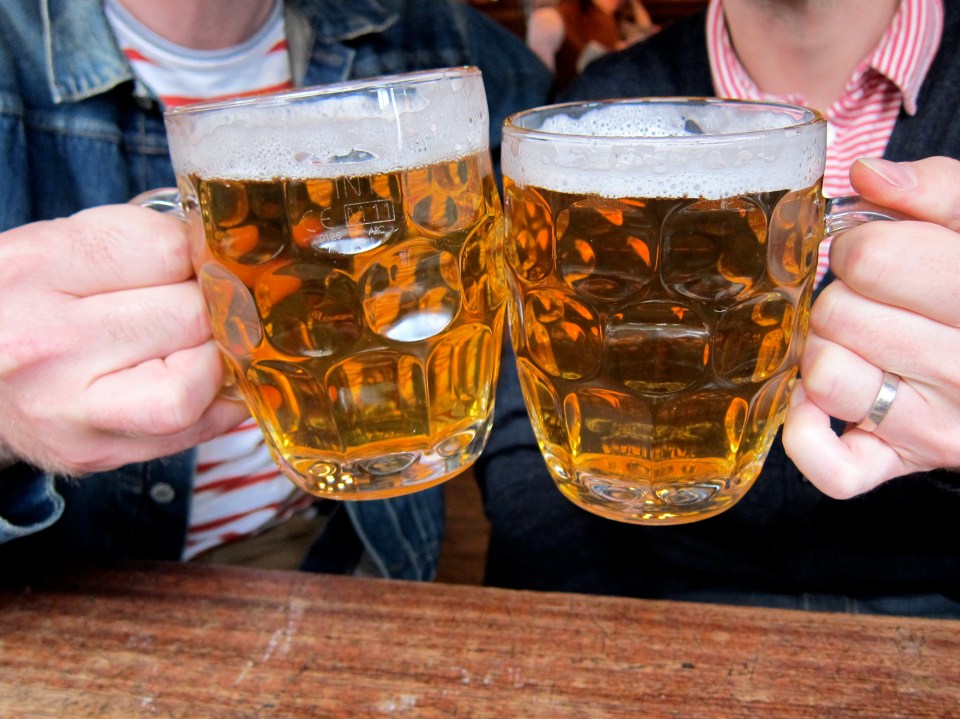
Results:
x,y
363,127
665,148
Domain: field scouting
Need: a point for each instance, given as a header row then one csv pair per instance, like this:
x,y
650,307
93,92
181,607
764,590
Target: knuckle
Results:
x,y
845,488
824,310
945,189
821,380
175,411
22,352
99,236
869,257
196,321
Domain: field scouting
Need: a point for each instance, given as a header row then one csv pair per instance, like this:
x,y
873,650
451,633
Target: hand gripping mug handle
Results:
x,y
166,200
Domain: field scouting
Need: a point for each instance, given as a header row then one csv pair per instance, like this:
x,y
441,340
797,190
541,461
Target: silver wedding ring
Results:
x,y
881,405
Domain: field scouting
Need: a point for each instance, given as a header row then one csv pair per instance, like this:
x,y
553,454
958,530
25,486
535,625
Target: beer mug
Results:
x,y
661,258
342,239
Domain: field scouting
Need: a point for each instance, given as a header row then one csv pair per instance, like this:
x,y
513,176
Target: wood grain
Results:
x,y
201,641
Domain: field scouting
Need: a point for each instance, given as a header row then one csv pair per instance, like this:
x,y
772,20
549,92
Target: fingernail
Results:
x,y
901,176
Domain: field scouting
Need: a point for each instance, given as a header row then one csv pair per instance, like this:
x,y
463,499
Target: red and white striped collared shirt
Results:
x,y
861,122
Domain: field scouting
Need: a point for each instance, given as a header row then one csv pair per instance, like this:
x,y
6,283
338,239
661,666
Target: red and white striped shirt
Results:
x,y
861,122
180,76
238,489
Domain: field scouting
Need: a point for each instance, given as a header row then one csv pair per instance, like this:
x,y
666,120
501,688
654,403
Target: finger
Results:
x,y
108,451
840,467
101,250
904,264
159,397
886,337
136,325
852,340
844,385
928,190
837,380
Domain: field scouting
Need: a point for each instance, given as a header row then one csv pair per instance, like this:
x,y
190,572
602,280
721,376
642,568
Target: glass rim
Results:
x,y
334,89
807,117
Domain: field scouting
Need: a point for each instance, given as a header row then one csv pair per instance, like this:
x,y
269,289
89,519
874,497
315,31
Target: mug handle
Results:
x,y
843,213
166,200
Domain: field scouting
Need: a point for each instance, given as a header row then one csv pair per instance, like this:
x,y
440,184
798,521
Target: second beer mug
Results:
x,y
342,240
661,256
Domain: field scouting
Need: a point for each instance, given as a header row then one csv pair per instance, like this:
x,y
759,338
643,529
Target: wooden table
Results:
x,y
199,641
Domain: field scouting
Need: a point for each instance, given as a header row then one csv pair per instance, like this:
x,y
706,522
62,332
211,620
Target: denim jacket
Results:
x,y
77,130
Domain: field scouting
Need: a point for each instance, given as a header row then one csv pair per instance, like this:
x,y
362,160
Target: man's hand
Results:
x,y
106,354
895,307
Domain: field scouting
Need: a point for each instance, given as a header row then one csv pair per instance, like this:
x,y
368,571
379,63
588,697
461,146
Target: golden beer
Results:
x,y
358,310
657,318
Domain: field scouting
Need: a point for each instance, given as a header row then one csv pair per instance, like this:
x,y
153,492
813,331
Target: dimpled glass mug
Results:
x,y
661,256
342,241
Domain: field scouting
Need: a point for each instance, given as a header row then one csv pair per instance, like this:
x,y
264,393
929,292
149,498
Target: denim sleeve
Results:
x,y
14,188
15,179
28,502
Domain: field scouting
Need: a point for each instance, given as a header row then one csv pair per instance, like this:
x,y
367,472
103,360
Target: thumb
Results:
x,y
927,190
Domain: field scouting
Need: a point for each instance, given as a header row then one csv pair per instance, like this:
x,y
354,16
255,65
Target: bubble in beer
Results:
x,y
607,249
752,339
293,390
529,249
309,310
380,396
603,421
460,361
658,347
344,215
713,249
563,335
410,293
449,197
767,409
233,313
795,236
481,274
244,220
543,404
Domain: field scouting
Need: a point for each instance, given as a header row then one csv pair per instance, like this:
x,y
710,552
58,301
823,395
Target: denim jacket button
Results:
x,y
162,493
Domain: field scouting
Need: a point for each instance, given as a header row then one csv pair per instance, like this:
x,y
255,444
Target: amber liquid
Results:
x,y
360,316
657,340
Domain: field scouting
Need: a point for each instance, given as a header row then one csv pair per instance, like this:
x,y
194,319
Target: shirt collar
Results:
x,y
903,56
907,49
336,21
83,58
